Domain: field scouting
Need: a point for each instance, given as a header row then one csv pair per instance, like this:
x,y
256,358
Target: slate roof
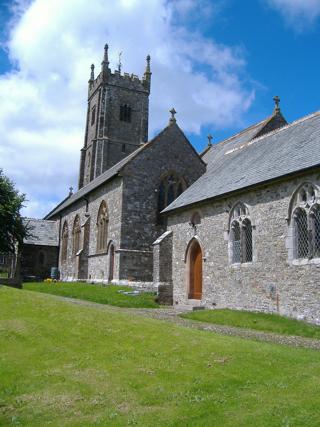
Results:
x,y
241,161
42,232
101,179
111,173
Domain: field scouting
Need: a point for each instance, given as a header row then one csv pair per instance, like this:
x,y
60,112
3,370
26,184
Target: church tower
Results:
x,y
117,118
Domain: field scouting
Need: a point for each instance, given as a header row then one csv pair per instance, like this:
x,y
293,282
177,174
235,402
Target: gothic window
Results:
x,y
93,115
240,235
306,223
125,113
301,233
64,242
171,186
315,230
102,227
123,148
76,233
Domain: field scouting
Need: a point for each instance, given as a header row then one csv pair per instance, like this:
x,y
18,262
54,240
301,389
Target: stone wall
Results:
x,y
272,282
162,267
37,261
132,201
90,264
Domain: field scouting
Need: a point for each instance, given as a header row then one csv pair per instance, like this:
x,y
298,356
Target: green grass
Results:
x,y
103,294
259,321
68,365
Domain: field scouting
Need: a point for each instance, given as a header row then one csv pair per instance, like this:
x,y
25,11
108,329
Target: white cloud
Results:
x,y
53,43
297,13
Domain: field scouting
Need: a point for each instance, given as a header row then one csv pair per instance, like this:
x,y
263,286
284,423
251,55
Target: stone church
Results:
x,y
237,226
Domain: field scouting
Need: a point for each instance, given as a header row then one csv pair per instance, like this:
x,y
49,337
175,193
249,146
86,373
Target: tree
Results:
x,y
12,228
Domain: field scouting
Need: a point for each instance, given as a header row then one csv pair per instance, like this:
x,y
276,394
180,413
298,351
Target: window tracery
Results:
x,y
102,227
306,223
241,235
171,187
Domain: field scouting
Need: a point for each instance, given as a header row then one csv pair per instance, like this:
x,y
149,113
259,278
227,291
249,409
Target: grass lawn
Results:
x,y
69,365
258,321
103,294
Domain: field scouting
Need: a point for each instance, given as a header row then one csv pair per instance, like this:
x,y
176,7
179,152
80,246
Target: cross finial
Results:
x,y
276,104
173,113
210,137
70,191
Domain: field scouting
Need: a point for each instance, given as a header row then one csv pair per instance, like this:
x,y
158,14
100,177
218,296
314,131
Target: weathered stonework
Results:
x,y
272,282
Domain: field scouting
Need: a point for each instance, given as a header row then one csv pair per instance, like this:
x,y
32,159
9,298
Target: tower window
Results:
x,y
123,149
93,115
125,113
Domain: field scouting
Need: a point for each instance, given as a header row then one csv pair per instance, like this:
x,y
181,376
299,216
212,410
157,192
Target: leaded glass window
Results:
x,y
241,235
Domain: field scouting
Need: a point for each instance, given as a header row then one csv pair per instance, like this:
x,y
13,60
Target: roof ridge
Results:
x,y
295,122
272,132
243,131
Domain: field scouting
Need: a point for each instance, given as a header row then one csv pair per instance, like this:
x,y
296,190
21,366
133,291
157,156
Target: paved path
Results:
x,y
172,315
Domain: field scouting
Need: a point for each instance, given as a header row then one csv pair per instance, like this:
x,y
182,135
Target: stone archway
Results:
x,y
194,260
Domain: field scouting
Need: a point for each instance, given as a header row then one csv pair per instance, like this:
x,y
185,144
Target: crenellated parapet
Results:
x,y
117,78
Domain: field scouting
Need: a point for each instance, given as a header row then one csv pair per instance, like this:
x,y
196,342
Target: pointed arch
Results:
x,y
194,260
76,235
102,227
64,241
240,234
306,192
170,187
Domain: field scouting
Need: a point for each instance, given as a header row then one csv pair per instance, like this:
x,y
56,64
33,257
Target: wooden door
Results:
x,y
195,268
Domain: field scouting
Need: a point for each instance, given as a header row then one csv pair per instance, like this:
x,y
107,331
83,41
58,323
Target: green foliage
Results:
x,y
66,365
103,294
259,321
12,228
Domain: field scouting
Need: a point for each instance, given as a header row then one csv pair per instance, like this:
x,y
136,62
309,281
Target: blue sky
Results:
x,y
219,63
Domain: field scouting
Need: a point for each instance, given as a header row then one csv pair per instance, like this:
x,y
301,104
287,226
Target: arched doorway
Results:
x,y
195,270
111,262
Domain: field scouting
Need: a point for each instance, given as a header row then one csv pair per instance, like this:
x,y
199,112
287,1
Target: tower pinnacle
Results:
x,y
105,62
92,73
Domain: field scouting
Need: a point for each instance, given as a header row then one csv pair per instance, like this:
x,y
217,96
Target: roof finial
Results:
x,y
210,137
92,73
119,63
105,62
276,104
70,191
172,118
